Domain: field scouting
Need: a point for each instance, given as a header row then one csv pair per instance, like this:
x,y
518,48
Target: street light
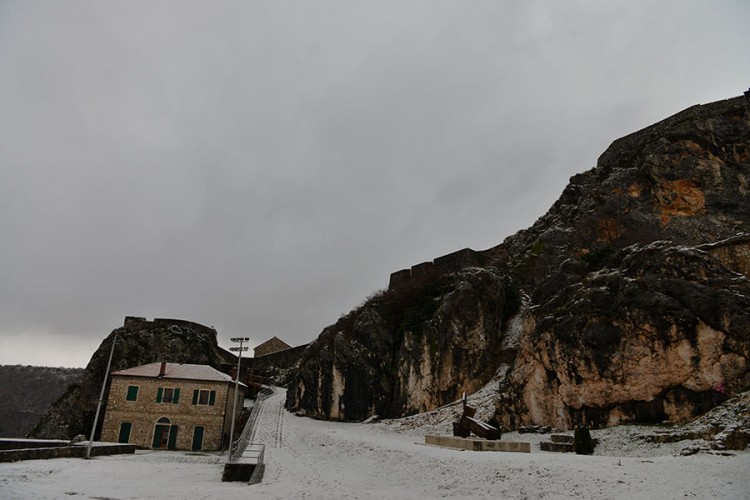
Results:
x,y
236,385
101,397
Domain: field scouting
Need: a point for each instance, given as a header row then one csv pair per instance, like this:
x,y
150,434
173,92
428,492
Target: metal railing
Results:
x,y
240,445
257,474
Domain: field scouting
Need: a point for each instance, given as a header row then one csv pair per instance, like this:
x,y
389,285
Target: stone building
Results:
x,y
170,405
270,346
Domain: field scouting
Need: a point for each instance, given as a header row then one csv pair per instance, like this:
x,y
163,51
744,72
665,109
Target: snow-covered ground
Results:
x,y
309,459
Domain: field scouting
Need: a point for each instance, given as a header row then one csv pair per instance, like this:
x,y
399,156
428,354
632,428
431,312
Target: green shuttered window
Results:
x,y
132,393
168,395
204,397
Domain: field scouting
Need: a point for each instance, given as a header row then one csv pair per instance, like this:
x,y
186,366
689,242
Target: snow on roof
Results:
x,y
178,371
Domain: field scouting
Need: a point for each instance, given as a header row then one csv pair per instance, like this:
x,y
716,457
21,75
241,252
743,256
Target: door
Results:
x,y
125,428
161,433
198,438
172,442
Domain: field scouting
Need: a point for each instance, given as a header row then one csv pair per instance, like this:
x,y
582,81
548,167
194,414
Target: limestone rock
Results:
x,y
408,350
138,342
663,335
611,308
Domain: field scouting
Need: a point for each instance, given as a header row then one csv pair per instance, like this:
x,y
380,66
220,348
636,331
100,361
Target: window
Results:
x,y
125,428
168,395
204,397
132,393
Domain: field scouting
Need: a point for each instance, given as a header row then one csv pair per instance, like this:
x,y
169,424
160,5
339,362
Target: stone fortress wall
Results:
x,y
136,322
446,264
733,252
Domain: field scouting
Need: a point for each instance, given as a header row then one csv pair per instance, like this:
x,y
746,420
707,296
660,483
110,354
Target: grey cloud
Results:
x,y
261,166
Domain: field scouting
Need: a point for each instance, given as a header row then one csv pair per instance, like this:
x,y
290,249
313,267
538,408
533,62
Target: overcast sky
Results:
x,y
262,167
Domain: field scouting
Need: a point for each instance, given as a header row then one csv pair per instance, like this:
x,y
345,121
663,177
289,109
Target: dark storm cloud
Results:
x,y
263,166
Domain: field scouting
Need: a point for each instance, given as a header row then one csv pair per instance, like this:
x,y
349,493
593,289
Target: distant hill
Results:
x,y
27,392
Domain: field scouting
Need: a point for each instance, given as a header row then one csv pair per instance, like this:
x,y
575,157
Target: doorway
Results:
x,y
125,428
165,434
198,437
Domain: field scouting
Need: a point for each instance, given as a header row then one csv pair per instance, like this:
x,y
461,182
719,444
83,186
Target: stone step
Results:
x,y
477,444
556,447
561,438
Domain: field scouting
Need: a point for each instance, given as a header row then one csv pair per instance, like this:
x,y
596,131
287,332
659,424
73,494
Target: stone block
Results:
x,y
561,438
477,444
556,447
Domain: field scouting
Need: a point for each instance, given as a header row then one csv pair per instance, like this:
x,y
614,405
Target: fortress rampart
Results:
x,y
446,264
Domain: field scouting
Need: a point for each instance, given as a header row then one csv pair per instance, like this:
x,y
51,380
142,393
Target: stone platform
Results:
x,y
477,444
248,468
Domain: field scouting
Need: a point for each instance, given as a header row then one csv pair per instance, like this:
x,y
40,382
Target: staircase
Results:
x,y
561,443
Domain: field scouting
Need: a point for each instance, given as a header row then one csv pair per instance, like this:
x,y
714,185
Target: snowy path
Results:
x,y
311,459
270,423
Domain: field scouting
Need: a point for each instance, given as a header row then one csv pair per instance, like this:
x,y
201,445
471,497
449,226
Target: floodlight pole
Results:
x,y
236,385
101,397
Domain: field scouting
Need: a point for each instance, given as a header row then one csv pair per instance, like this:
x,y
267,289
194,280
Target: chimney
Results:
x,y
163,367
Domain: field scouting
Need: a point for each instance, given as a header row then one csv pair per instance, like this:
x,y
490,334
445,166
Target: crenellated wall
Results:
x,y
135,322
446,264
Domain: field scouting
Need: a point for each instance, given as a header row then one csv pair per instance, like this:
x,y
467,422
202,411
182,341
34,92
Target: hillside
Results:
x,y
138,342
626,302
27,392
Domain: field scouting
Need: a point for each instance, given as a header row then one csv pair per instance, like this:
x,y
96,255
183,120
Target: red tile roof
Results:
x,y
177,371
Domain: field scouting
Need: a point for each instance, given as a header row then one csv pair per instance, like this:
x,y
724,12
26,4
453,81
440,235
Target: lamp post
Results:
x,y
236,385
101,397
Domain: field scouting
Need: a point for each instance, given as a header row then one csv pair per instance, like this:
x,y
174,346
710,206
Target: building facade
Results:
x,y
171,406
270,346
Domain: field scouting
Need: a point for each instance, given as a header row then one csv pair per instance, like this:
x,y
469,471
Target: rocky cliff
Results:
x,y
138,342
611,308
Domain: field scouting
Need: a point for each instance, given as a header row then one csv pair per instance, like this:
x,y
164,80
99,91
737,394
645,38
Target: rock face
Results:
x,y
662,333
409,350
626,302
138,342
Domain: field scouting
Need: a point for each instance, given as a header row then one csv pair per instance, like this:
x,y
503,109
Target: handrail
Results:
x,y
237,447
258,470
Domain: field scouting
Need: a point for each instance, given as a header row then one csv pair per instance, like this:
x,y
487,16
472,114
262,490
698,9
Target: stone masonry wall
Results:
x,y
450,263
144,412
136,322
277,360
270,346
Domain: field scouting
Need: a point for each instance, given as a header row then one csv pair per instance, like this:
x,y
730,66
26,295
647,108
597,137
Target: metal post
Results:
x,y
236,386
101,397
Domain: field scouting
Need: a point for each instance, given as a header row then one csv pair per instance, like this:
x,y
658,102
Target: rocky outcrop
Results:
x,y
684,179
138,342
629,318
410,349
662,334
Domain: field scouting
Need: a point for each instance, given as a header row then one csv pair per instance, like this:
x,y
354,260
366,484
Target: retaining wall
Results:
x,y
70,451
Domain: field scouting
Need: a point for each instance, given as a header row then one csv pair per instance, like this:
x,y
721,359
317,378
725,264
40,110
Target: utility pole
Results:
x,y
236,385
101,397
